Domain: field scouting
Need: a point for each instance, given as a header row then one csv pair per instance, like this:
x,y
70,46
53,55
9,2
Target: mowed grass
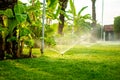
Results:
x,y
98,62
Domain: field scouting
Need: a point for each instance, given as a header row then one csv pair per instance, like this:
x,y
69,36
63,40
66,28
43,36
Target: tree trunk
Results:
x,y
21,47
93,13
30,52
8,45
15,43
93,33
61,24
63,5
15,47
2,41
9,48
2,53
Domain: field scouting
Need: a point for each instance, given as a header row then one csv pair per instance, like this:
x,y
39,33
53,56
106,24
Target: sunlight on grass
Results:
x,y
94,53
79,63
30,69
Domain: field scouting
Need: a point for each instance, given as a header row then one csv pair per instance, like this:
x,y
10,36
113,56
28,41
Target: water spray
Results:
x,y
65,43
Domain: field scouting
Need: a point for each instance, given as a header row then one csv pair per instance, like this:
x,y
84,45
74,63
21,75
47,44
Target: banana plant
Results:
x,y
3,32
35,22
6,29
52,10
79,20
28,25
13,21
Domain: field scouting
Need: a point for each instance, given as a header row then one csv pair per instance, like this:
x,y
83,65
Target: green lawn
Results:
x,y
79,63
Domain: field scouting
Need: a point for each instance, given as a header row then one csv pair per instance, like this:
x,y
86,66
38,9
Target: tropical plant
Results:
x,y
80,22
19,25
6,15
35,15
117,26
15,31
52,10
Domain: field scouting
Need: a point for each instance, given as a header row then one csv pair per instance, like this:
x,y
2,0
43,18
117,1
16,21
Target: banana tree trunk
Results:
x,y
2,52
2,41
15,43
30,52
63,5
15,47
21,47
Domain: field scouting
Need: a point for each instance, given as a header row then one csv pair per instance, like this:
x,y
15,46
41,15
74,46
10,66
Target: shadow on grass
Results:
x,y
46,68
76,64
